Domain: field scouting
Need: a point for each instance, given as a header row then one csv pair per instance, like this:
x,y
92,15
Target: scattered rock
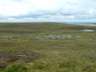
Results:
x,y
91,36
38,38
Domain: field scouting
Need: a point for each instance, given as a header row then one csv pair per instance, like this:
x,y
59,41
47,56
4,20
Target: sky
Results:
x,y
47,10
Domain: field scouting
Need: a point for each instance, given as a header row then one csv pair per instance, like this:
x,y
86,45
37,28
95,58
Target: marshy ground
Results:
x,y
47,47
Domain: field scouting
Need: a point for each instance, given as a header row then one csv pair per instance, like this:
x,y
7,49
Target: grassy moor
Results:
x,y
47,47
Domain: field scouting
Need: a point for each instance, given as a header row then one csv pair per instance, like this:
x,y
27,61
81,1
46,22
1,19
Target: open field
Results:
x,y
47,47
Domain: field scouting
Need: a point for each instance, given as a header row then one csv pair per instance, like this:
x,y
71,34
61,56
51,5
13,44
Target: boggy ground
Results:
x,y
19,54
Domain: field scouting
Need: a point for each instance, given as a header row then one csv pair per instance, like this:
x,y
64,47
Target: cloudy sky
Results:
x,y
47,10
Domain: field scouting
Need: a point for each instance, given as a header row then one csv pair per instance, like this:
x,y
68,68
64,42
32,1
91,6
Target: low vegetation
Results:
x,y
47,47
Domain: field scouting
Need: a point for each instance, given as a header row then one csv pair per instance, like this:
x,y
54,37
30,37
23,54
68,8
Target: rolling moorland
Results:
x,y
47,47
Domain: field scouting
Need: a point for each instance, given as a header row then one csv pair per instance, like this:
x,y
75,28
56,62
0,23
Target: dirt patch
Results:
x,y
17,55
2,65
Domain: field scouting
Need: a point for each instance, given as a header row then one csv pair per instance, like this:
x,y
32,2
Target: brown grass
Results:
x,y
18,32
78,28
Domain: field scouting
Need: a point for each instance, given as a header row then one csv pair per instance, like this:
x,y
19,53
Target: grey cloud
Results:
x,y
80,9
18,0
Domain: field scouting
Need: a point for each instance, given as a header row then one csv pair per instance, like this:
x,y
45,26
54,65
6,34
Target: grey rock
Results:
x,y
78,36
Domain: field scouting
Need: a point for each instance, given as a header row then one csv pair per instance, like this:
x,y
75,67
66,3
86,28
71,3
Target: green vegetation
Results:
x,y
20,52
